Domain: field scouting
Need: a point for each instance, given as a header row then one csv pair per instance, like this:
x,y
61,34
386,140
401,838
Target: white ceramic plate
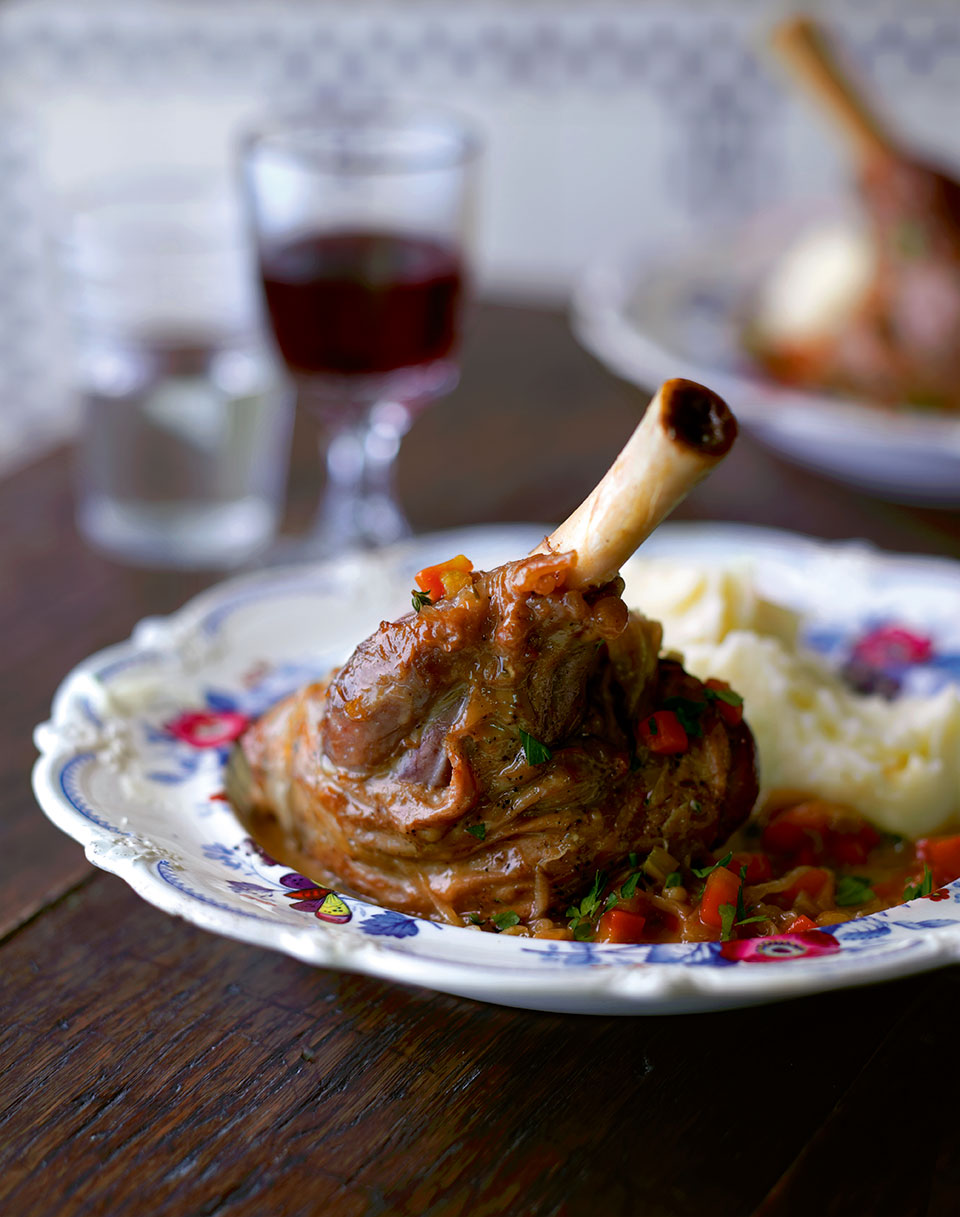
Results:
x,y
130,771
650,317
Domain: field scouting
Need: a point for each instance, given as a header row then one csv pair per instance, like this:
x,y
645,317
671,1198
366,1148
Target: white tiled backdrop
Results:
x,y
608,125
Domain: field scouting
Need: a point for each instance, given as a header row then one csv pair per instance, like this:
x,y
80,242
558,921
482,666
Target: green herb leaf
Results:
x,y
728,915
910,239
582,915
674,879
611,902
504,921
535,752
630,886
688,713
632,859
652,726
702,871
853,889
923,888
477,830
741,910
420,599
475,918
727,695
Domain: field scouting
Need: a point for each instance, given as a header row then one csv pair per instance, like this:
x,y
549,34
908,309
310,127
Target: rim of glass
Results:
x,y
298,134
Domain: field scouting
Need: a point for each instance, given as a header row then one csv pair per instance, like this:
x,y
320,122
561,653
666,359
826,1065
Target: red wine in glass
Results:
x,y
353,303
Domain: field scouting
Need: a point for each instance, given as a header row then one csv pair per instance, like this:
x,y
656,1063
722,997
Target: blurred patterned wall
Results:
x,y
609,125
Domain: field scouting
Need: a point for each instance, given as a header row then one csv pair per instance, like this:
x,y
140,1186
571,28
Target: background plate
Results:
x,y
649,317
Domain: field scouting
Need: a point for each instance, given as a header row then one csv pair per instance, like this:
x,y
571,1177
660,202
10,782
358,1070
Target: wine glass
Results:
x,y
361,218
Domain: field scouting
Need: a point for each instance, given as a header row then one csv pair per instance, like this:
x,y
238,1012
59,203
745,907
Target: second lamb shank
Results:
x,y
519,730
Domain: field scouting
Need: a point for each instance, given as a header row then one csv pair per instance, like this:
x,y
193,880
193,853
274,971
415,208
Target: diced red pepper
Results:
x,y
619,925
852,848
942,855
801,828
805,833
432,578
759,869
731,714
662,733
722,887
800,923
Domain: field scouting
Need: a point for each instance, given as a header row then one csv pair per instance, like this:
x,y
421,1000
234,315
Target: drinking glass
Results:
x,y
361,221
183,454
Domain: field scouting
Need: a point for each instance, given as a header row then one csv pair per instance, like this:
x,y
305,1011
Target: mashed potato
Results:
x,y
897,763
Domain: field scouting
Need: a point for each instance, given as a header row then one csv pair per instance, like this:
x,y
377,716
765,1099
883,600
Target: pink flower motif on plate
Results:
x,y
209,729
892,645
779,947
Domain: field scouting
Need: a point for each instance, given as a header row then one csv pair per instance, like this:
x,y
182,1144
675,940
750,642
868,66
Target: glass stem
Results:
x,y
359,507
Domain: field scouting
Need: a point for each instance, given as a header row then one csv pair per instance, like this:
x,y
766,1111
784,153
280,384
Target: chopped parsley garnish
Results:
x,y
630,886
688,713
923,888
632,859
535,752
420,599
910,239
741,909
505,920
475,919
729,919
853,889
674,879
727,695
477,830
581,915
702,871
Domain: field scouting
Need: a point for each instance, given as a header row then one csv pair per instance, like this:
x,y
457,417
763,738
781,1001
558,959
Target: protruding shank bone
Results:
x,y
686,430
805,49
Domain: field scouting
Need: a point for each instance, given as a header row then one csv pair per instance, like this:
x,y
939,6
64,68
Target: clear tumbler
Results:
x,y
185,442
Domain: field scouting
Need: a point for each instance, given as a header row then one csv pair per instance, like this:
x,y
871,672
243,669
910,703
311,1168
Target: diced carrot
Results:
x,y
619,925
431,578
942,855
662,733
801,923
722,887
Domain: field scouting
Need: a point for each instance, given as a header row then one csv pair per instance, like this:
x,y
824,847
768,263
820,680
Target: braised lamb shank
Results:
x,y
482,753
900,343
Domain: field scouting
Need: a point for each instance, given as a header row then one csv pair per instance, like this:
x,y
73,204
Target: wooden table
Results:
x,y
151,1068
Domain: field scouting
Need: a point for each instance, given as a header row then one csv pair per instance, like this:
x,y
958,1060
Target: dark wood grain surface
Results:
x,y
150,1068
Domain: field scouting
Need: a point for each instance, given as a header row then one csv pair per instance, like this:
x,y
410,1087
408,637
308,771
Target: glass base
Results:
x,y
178,536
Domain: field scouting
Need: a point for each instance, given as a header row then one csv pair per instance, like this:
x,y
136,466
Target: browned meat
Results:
x,y
482,754
406,778
902,343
